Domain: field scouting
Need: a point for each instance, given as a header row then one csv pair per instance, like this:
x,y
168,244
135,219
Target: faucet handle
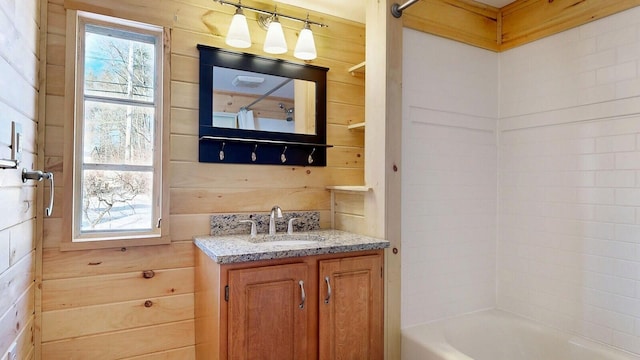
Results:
x,y
290,227
277,211
254,230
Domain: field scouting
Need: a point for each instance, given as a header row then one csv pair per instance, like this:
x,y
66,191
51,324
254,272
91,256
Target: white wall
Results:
x,y
569,219
19,67
450,110
567,174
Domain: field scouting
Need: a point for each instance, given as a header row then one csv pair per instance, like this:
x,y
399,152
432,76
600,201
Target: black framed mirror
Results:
x,y
257,110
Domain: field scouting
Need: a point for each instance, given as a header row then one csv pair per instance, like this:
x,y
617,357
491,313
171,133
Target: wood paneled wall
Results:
x,y
525,21
19,84
93,302
232,102
349,211
500,29
466,21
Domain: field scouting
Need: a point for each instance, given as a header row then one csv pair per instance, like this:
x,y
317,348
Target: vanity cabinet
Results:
x,y
267,312
351,308
256,310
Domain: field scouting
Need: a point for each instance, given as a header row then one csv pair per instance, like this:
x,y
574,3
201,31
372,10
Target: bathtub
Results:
x,y
498,335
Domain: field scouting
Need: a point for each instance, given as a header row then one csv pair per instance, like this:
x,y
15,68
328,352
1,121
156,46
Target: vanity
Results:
x,y
309,295
287,290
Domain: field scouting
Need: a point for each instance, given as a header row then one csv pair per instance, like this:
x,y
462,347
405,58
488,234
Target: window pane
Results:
x,y
117,67
116,200
118,134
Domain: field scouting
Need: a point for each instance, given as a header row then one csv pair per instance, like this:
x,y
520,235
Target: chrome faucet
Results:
x,y
275,211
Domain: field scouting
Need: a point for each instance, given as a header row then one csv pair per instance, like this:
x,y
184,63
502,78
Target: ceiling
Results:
x,y
354,9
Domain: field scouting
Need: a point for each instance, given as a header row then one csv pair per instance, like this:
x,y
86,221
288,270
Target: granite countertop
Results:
x,y
228,249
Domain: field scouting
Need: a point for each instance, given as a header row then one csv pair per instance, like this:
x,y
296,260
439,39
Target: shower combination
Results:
x,y
288,112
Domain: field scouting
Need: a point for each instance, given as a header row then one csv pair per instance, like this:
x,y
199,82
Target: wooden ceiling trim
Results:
x,y
461,20
525,21
516,24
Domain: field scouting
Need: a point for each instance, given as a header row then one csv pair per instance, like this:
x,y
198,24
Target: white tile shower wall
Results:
x,y
449,195
569,181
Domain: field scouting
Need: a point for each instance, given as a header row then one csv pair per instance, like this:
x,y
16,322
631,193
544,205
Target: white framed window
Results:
x,y
118,130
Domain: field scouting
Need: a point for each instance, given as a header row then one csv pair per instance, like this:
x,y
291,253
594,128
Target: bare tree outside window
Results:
x,y
118,130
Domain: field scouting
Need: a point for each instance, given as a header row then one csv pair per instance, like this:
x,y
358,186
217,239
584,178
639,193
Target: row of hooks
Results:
x,y
234,150
254,154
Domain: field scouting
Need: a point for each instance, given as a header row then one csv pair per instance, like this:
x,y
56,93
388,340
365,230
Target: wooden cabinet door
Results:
x,y
351,313
267,313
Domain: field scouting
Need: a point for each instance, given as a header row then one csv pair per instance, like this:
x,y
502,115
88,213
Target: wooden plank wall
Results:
x,y
19,65
466,21
525,21
349,211
232,102
501,29
93,302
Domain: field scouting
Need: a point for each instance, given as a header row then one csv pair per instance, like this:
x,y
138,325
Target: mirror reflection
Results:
x,y
274,114
254,101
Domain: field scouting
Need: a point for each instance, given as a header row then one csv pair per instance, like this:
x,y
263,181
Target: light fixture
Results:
x,y
247,81
238,34
306,46
275,43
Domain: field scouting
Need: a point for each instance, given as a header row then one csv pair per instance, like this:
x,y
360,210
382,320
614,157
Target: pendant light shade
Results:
x,y
275,43
306,46
238,34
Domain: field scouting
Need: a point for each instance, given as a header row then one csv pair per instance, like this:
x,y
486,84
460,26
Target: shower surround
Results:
x,y
566,192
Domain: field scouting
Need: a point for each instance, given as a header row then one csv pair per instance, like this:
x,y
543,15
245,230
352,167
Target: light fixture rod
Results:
x,y
239,5
396,9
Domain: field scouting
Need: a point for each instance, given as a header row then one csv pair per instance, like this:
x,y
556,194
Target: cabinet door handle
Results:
x,y
326,300
303,295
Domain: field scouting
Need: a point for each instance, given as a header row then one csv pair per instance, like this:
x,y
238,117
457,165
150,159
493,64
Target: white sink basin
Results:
x,y
287,240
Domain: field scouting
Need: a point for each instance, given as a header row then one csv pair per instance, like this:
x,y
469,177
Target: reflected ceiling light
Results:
x,y
247,81
275,43
306,46
238,34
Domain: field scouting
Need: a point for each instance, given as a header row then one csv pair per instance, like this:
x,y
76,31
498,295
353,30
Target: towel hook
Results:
x,y
221,154
254,156
310,158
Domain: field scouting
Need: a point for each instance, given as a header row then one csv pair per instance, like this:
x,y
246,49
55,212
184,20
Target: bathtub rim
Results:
x,y
432,337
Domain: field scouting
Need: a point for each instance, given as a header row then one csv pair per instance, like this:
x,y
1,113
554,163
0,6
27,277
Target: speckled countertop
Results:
x,y
227,249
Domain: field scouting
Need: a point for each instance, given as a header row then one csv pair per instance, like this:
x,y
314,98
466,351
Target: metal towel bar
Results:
x,y
9,164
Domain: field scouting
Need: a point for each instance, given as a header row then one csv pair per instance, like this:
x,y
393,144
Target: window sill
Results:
x,y
116,243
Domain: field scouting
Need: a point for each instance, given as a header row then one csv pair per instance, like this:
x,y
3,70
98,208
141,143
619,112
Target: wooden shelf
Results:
x,y
356,126
261,141
357,69
354,188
